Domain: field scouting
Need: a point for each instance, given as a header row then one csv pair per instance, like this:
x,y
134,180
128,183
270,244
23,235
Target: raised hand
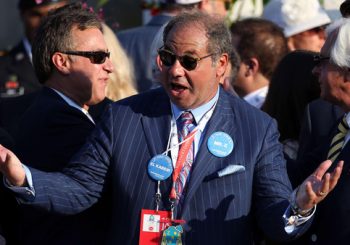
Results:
x,y
317,186
11,167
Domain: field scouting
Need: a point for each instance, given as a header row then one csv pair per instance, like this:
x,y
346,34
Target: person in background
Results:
x,y
223,187
122,82
332,67
17,76
320,115
303,22
71,60
292,87
261,45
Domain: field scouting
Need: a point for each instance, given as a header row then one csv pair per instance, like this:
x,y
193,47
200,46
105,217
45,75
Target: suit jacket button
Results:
x,y
314,237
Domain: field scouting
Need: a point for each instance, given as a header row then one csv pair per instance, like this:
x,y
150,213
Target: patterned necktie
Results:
x,y
184,122
338,140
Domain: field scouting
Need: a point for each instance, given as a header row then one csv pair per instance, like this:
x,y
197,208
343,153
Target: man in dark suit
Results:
x,y
57,124
17,76
330,225
228,173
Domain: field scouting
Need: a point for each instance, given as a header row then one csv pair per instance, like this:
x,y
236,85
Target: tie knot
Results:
x,y
343,125
184,121
186,118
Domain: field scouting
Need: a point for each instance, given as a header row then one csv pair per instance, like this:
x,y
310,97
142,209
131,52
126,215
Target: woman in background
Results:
x,y
122,82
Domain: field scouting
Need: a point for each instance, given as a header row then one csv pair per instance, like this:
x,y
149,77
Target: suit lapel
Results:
x,y
205,162
156,124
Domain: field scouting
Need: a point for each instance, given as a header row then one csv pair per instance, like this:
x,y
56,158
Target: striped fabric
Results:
x,y
338,140
185,121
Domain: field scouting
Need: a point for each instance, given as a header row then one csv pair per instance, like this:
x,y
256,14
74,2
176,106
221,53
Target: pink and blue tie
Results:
x,y
185,121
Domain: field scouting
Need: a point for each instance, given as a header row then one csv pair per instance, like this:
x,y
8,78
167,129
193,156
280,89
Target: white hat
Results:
x,y
183,2
295,16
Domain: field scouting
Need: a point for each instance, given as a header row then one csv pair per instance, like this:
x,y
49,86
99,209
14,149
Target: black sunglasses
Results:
x,y
96,57
188,62
319,58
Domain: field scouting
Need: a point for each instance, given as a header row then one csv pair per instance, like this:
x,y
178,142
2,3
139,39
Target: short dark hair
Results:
x,y
55,32
261,39
219,36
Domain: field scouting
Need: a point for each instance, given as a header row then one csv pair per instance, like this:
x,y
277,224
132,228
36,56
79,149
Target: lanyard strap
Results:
x,y
181,160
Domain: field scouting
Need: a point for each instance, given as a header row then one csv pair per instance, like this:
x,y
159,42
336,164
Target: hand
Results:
x,y
11,167
317,186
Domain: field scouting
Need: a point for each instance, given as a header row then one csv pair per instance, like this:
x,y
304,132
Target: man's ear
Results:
x,y
251,67
222,65
159,63
61,62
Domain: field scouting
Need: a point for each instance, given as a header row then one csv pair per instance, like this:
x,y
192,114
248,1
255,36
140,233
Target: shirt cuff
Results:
x,y
293,217
23,193
292,221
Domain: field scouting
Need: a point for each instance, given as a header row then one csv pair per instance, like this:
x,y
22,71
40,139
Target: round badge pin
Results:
x,y
160,167
220,144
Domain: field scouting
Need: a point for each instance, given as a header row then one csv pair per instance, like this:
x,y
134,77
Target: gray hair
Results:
x,y
218,34
339,43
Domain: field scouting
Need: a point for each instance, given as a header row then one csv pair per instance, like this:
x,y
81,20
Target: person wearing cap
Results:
x,y
303,22
211,186
17,76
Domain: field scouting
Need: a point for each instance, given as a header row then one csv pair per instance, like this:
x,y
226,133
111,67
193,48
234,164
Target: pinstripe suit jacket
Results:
x,y
218,211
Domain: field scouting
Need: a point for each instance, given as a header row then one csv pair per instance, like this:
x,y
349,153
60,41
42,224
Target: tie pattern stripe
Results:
x,y
185,121
338,140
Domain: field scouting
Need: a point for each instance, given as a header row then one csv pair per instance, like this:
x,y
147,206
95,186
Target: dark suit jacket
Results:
x,y
331,222
17,67
137,44
217,211
50,132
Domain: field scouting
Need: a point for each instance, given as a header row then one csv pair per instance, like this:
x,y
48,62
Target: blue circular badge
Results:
x,y
220,144
160,167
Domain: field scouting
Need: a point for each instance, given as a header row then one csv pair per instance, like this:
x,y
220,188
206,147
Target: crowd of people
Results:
x,y
187,130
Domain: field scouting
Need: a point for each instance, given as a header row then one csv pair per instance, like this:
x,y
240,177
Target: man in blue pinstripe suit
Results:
x,y
227,191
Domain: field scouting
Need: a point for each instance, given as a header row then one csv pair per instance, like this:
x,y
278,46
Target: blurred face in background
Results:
x,y
334,80
219,7
312,40
32,17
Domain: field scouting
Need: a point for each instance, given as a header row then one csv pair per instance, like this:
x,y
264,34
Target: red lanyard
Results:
x,y
181,158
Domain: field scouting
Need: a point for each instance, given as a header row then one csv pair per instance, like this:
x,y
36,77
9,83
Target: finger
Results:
x,y
309,190
325,185
336,175
322,169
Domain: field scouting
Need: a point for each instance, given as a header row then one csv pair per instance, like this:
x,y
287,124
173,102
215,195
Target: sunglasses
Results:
x,y
188,62
319,29
319,58
95,57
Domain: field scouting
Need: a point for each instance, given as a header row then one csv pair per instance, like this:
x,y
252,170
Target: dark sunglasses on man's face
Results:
x,y
95,57
188,62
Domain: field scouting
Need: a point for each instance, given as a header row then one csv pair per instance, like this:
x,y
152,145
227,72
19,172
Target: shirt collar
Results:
x,y
348,118
73,104
257,98
198,112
